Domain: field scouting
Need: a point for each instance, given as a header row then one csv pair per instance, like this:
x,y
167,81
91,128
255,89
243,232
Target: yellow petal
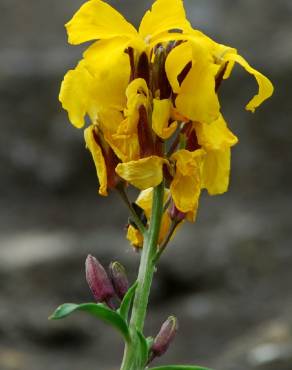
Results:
x,y
265,86
216,170
160,118
97,20
75,94
165,226
215,136
109,65
186,184
126,147
98,159
145,198
175,62
144,173
165,15
135,237
97,83
137,94
144,201
197,98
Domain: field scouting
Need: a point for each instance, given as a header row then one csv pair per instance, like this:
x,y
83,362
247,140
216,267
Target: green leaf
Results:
x,y
143,349
126,302
96,309
179,367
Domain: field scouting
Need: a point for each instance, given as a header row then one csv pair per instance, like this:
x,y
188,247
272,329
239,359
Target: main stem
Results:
x,y
145,276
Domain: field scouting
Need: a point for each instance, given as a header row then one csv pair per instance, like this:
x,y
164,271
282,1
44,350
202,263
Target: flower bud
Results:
x,y
119,279
98,280
174,213
164,337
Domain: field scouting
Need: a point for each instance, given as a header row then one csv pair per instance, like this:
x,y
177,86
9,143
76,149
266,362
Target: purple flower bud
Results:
x,y
119,279
98,281
164,337
174,213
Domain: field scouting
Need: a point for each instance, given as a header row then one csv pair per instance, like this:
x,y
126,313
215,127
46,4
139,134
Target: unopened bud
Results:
x,y
174,213
98,280
164,337
119,279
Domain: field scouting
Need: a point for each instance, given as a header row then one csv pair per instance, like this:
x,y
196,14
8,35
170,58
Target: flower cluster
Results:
x,y
152,99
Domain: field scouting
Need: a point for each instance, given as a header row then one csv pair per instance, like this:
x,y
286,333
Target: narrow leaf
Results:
x,y
96,309
179,367
126,302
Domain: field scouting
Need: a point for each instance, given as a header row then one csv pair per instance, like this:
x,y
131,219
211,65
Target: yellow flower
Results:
x,y
101,82
144,201
194,67
142,87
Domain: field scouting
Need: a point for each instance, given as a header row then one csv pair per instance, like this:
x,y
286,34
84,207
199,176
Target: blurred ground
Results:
x,y
227,277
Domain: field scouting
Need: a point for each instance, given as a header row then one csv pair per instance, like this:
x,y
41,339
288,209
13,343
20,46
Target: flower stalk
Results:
x,y
145,277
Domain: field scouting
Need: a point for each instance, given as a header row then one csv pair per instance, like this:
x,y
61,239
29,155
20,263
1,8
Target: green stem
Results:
x,y
145,276
121,190
162,247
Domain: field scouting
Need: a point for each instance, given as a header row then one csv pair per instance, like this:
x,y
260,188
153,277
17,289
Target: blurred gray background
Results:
x,y
228,277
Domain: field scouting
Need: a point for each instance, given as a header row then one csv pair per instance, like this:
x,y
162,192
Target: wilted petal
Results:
x,y
135,237
215,136
216,171
265,86
137,94
160,118
75,94
186,185
126,147
98,159
144,173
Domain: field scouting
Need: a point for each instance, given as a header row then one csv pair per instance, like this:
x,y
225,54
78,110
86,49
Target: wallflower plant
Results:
x,y
151,97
